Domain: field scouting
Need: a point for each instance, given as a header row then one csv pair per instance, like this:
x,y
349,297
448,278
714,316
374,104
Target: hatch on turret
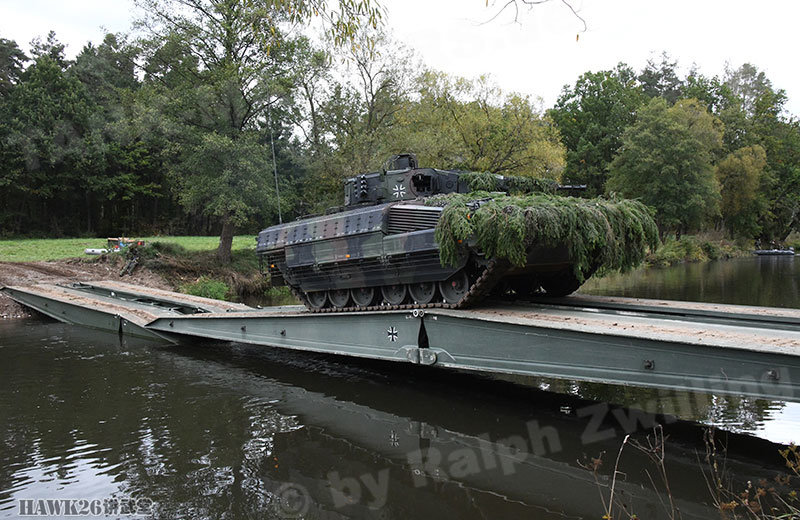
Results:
x,y
401,161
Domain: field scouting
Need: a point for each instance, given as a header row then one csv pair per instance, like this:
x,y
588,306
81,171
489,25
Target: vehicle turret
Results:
x,y
401,179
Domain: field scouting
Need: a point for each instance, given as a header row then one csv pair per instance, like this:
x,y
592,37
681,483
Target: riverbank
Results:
x,y
67,271
697,248
163,264
199,273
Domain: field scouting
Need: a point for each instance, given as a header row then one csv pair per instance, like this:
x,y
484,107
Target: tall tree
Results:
x,y
313,78
591,117
661,79
780,137
51,48
361,112
740,176
241,77
117,171
474,125
666,162
225,177
12,61
49,135
356,114
107,70
748,84
712,92
758,118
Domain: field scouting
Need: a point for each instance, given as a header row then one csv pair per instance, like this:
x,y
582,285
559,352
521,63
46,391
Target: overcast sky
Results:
x,y
538,55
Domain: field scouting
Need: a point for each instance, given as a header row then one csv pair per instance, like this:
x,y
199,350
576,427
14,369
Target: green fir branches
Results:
x,y
599,233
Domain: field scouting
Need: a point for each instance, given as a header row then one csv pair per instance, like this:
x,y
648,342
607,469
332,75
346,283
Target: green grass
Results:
x,y
207,288
29,250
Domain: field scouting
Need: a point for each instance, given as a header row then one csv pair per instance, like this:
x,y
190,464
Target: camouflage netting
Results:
x,y
480,181
600,233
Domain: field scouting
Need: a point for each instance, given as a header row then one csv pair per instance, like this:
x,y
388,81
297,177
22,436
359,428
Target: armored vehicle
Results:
x,y
378,250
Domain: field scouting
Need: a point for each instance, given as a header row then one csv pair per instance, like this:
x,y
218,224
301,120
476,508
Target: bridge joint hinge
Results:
x,y
422,356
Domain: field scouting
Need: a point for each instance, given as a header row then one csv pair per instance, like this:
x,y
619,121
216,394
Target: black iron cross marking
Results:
x,y
391,333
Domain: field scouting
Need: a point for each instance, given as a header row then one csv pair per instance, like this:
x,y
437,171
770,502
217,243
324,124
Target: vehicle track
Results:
x,y
479,290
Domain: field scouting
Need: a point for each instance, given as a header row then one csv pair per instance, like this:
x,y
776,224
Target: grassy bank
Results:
x,y
31,250
196,271
188,264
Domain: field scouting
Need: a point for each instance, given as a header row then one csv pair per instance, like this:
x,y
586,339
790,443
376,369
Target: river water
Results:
x,y
220,430
771,281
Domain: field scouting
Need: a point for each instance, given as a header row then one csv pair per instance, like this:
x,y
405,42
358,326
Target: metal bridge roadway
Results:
x,y
725,349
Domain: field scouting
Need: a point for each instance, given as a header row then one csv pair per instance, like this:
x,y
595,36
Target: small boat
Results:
x,y
774,252
92,251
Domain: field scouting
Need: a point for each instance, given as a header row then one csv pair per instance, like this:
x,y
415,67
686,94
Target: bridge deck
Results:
x,y
693,346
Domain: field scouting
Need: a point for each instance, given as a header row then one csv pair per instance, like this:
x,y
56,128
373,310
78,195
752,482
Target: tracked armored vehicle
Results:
x,y
378,250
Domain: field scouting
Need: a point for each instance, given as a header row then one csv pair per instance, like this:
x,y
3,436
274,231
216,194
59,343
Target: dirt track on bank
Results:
x,y
66,271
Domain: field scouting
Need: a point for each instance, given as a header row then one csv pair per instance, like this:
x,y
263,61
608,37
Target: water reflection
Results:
x,y
772,281
733,413
231,431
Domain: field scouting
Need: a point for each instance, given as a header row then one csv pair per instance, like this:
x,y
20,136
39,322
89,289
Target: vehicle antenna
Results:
x,y
274,165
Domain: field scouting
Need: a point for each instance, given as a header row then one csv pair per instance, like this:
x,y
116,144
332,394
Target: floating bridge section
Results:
x,y
726,349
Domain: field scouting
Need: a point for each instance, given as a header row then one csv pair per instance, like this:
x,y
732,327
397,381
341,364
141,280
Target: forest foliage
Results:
x,y
172,129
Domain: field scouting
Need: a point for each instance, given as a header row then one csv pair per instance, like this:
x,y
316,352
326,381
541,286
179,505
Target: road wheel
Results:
x,y
454,288
363,296
394,294
339,298
316,299
422,292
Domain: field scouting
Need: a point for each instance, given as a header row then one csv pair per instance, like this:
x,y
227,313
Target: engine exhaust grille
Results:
x,y
405,217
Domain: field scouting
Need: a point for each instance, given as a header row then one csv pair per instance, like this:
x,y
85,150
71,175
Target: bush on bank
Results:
x,y
207,288
695,249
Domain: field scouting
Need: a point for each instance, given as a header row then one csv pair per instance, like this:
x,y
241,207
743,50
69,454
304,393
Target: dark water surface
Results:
x,y
771,281
219,430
